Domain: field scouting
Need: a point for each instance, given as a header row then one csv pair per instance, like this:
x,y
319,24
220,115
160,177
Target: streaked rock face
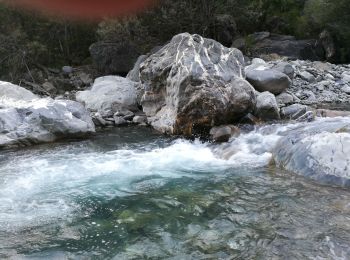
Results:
x,y
26,119
192,84
320,150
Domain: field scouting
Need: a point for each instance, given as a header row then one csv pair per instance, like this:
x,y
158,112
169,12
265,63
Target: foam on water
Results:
x,y
129,194
45,188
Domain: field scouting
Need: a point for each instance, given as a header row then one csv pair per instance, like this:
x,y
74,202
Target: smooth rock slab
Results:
x,y
319,150
26,119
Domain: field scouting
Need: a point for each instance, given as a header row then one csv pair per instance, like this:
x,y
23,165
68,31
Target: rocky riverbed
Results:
x,y
191,87
241,157
130,193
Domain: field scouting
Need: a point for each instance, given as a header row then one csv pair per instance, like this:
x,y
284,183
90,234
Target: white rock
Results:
x,y
109,93
27,119
346,77
319,150
346,89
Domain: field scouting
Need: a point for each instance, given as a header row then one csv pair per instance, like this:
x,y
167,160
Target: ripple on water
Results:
x,y
118,197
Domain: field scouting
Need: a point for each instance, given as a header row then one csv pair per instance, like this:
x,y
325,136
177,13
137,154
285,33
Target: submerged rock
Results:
x,y
26,119
223,133
319,150
192,84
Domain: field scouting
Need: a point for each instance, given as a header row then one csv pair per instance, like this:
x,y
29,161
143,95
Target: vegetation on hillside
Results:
x,y
27,39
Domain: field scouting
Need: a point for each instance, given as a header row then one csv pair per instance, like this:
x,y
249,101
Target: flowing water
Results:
x,y
129,193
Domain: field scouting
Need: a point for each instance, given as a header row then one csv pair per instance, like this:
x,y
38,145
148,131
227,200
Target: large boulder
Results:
x,y
113,57
318,150
10,92
193,84
271,80
27,119
108,95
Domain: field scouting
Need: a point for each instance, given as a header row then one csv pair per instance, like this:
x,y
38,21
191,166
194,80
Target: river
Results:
x,y
129,193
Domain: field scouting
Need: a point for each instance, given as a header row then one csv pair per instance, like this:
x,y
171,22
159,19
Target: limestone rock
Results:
x,y
293,111
284,98
134,74
140,119
319,150
26,119
192,84
109,94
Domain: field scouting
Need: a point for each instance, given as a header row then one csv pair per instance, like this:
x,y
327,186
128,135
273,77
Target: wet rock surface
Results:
x,y
223,133
319,151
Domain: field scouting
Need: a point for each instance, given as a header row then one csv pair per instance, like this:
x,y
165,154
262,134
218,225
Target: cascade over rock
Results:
x,y
193,84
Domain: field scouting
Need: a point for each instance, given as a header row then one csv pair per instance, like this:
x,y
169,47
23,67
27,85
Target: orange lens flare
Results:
x,y
84,9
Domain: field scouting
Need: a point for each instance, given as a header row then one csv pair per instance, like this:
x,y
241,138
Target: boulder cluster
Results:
x,y
112,100
61,83
191,86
